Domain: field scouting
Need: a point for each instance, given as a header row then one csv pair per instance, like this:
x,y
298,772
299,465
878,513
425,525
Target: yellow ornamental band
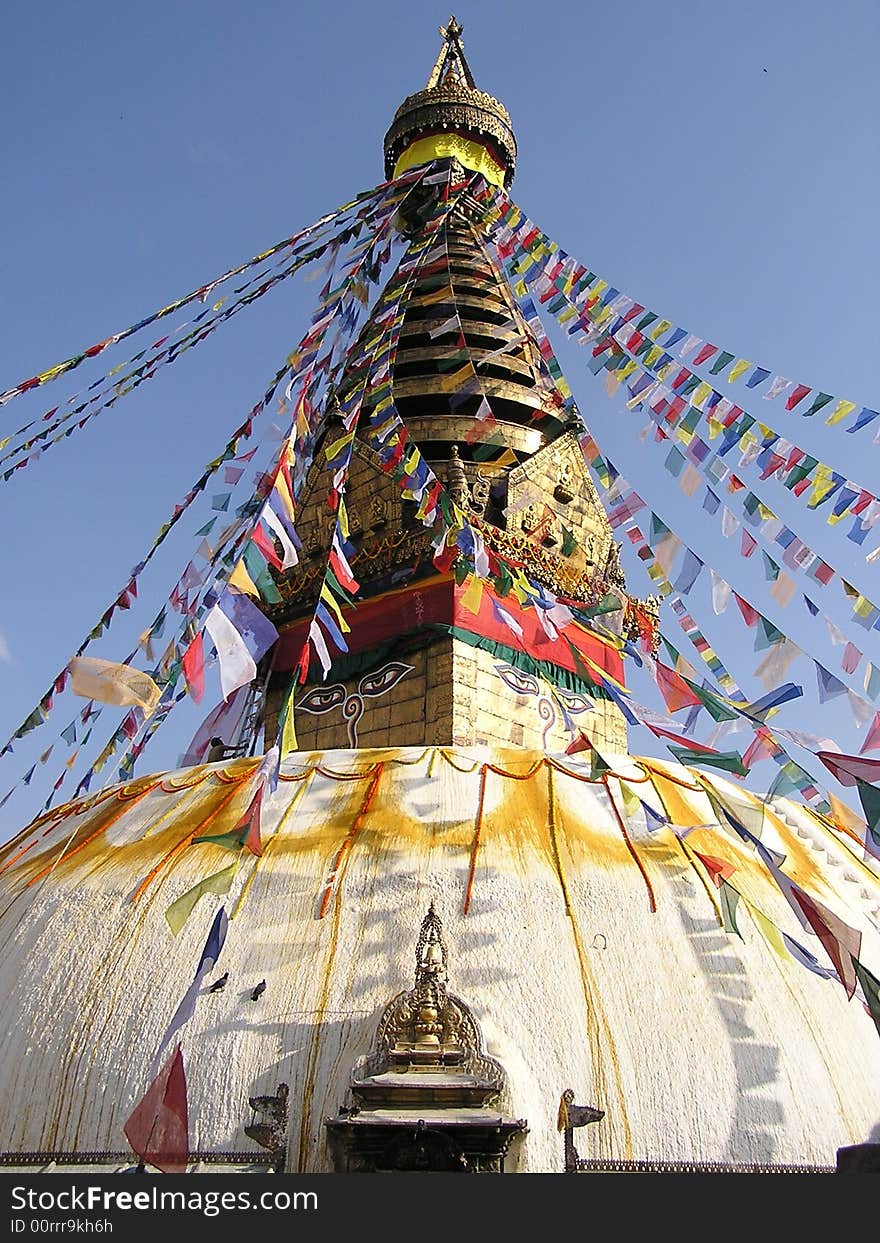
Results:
x,y
472,155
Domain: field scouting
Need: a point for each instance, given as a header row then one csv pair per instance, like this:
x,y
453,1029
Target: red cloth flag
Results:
x,y
798,393
674,689
266,547
750,615
850,769
872,738
705,353
690,743
842,943
719,869
158,1127
194,668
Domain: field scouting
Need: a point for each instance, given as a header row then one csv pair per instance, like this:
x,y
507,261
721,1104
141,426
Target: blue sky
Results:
x,y
718,163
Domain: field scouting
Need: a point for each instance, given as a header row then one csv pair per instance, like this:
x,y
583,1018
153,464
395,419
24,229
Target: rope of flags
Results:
x,y
599,306
53,373
301,365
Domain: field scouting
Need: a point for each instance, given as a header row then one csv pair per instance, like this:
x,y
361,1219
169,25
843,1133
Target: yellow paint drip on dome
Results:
x,y
473,155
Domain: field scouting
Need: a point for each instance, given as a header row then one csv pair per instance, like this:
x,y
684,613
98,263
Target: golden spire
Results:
x,y
451,58
451,117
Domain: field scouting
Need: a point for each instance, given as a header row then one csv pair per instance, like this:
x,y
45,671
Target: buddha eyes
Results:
x,y
383,679
521,683
322,698
575,704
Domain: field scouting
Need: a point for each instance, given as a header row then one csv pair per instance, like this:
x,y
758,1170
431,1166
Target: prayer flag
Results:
x,y
113,683
287,727
237,666
871,988
219,883
842,943
158,1127
194,668
186,1009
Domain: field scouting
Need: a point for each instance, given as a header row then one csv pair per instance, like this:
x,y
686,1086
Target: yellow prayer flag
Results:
x,y
739,367
659,329
338,445
288,730
700,394
822,484
845,818
771,933
840,411
330,600
220,883
472,594
242,581
652,355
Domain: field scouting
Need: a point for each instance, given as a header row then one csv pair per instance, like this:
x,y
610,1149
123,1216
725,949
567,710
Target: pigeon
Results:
x,y
218,984
259,990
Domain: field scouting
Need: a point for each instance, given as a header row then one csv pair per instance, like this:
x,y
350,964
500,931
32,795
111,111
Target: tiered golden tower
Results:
x,y
509,457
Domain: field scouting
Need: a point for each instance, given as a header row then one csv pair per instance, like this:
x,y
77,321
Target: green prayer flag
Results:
x,y
869,797
729,761
717,709
569,543
179,912
728,898
871,988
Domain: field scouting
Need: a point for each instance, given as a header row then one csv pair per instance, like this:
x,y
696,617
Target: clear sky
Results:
x,y
717,162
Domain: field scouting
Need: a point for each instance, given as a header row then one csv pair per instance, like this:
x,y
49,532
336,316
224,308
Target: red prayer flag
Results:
x,y
835,935
690,743
850,769
580,743
718,869
750,615
249,824
266,546
158,1127
872,738
798,393
705,353
675,690
194,668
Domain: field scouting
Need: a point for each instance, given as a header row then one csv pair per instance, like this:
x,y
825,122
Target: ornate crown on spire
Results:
x,y
451,102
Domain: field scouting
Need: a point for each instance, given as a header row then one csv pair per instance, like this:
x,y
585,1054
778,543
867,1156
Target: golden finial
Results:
x,y
451,58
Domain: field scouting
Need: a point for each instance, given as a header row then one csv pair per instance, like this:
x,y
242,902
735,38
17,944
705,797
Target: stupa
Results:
x,y
570,908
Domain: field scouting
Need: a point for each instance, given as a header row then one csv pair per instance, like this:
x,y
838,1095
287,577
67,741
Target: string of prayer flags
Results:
x,y
586,303
187,1008
69,364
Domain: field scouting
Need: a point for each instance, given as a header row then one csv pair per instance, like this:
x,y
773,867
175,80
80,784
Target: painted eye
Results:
x,y
322,699
519,682
382,680
575,704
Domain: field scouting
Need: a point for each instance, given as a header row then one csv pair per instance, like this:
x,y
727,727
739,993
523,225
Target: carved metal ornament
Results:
x,y
424,1099
429,1026
451,101
271,1131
